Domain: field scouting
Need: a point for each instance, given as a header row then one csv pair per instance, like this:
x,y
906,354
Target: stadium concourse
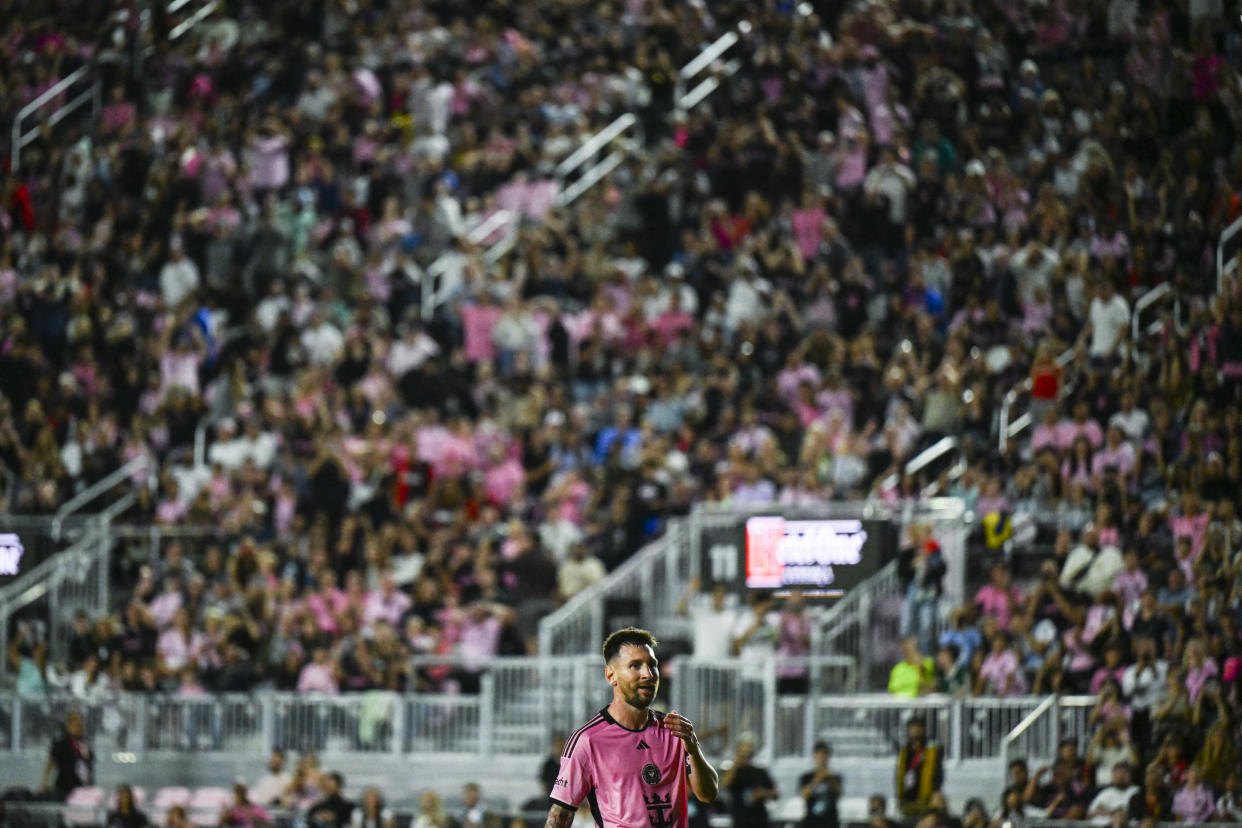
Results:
x,y
888,216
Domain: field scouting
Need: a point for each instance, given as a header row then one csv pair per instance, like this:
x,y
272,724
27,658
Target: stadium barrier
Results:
x,y
519,704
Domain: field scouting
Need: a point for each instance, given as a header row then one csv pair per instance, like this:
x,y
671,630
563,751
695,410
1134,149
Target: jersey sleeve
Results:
x,y
574,780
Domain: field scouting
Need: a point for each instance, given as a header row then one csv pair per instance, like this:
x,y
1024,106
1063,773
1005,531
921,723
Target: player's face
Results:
x,y
635,672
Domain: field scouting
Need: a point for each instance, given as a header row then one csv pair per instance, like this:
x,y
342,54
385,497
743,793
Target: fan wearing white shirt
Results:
x,y
1108,318
1116,796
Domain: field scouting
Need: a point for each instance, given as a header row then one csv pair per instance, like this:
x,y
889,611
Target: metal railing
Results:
x,y
59,109
133,468
1226,253
683,100
520,704
1036,736
657,575
1007,430
72,580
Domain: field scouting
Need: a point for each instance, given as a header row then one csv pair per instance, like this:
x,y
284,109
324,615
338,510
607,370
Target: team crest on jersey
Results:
x,y
651,774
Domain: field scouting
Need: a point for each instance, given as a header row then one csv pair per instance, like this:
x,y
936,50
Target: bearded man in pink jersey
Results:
x,y
633,765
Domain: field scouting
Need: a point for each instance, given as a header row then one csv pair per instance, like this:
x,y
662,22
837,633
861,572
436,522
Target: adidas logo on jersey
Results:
x,y
642,745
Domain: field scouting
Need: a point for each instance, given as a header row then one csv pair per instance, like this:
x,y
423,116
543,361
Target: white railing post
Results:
x,y
487,714
397,734
957,722
769,710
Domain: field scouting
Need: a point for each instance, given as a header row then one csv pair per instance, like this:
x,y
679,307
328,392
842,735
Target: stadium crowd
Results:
x,y
887,218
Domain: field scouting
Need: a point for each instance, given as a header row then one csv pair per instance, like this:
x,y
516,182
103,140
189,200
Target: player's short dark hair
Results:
x,y
624,636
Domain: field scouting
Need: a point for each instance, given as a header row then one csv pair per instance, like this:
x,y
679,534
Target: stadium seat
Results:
x,y
82,806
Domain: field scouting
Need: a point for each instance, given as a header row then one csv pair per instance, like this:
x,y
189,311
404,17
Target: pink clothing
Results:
x,y
1194,804
1193,527
318,678
179,370
478,640
1196,677
1119,460
807,224
995,602
1104,674
269,162
621,768
478,322
1001,669
379,607
177,650
164,607
325,608
502,482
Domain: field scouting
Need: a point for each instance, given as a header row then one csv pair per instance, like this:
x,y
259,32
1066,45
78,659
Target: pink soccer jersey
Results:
x,y
631,778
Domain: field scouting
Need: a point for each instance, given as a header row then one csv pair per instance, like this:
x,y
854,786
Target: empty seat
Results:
x,y
84,806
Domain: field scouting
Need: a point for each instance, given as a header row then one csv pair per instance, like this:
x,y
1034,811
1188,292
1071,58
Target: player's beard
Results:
x,y
636,698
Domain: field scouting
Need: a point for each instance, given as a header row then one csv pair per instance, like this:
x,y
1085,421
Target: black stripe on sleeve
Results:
x,y
573,740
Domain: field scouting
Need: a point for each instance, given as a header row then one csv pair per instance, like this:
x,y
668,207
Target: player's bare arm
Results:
x,y
559,817
703,779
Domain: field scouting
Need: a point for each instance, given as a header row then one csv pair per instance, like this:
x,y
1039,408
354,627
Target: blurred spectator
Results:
x,y
332,810
750,787
472,813
70,758
430,812
1194,801
1114,796
242,812
271,786
712,617
914,675
125,814
821,790
920,770
372,812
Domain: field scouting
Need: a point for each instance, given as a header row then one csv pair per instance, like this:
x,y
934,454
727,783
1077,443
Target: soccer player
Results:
x,y
632,764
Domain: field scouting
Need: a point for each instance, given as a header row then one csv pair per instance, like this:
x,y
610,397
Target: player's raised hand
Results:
x,y
682,728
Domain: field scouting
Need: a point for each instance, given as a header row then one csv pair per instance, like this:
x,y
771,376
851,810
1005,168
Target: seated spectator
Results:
x,y
1061,797
372,812
472,814
242,813
1229,806
999,598
271,786
332,810
1194,801
126,813
1110,746
430,812
1001,673
952,677
1155,801
1114,796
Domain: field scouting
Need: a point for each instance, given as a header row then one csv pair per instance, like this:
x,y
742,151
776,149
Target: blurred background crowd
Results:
x,y
892,214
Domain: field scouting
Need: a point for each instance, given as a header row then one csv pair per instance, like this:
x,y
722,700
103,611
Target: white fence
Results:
x,y
522,703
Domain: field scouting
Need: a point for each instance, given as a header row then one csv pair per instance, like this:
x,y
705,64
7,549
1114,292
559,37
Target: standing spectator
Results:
x,y
914,675
579,571
793,642
1108,323
126,813
71,758
712,619
920,770
821,790
924,575
749,786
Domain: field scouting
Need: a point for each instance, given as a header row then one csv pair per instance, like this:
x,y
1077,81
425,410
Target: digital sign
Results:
x,y
10,553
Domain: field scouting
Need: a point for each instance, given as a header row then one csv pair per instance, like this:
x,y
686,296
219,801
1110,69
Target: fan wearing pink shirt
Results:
x,y
1001,673
999,599
320,675
635,767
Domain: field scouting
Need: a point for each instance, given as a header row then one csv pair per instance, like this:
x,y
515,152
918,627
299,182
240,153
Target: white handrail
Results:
x,y
594,144
20,140
1145,301
192,21
1221,265
705,57
590,178
924,458
136,466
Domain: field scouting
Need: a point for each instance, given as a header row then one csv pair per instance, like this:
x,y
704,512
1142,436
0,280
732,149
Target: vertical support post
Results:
x,y
397,737
487,707
957,723
769,709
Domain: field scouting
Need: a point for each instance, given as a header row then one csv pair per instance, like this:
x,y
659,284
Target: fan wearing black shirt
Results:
x,y
821,789
333,810
126,813
71,758
750,787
